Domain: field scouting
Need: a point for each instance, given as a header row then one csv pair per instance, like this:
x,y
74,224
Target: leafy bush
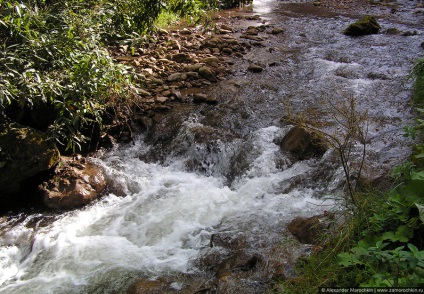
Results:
x,y
53,57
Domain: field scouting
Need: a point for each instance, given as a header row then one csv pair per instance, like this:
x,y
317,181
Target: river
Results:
x,y
219,170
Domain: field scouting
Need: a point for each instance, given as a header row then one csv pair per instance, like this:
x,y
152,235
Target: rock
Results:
x,y
393,31
142,92
161,99
74,184
200,98
185,31
276,31
192,75
210,60
212,100
240,261
303,144
181,57
174,44
409,33
24,153
166,93
255,68
207,73
176,94
227,28
227,50
309,230
193,67
180,283
316,3
366,26
252,31
177,77
156,81
232,240
162,32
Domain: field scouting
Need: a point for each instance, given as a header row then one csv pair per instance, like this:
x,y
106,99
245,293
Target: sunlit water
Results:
x,y
169,211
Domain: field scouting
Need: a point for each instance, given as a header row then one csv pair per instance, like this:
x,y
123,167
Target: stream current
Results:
x,y
220,169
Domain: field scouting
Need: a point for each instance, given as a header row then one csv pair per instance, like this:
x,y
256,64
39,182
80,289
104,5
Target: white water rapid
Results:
x,y
167,216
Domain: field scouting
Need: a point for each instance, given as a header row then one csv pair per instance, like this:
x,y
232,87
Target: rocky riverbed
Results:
x,y
207,191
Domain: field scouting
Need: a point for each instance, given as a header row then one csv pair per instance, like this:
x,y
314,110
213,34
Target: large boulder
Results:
x,y
24,153
309,230
302,144
365,26
75,184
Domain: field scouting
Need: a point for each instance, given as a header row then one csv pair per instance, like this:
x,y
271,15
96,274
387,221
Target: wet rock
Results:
x,y
255,68
366,26
393,31
409,33
200,98
207,73
75,184
24,153
212,100
309,230
180,283
228,240
241,261
252,31
303,144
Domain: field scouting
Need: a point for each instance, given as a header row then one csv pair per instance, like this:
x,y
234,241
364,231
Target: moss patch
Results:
x,y
365,26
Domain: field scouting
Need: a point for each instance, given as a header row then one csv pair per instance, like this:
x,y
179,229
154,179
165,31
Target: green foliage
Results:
x,y
418,74
53,56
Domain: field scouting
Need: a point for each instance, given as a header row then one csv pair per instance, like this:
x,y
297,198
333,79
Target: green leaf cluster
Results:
x,y
386,256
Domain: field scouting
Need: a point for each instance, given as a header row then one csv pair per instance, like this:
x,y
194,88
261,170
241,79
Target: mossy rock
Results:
x,y
366,26
24,153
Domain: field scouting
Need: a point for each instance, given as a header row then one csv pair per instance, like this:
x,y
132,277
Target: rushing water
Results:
x,y
235,180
